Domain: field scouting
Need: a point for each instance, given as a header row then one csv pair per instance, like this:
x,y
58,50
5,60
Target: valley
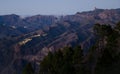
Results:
x,y
30,39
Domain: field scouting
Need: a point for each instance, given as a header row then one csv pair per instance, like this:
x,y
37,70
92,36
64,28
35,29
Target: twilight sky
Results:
x,y
56,7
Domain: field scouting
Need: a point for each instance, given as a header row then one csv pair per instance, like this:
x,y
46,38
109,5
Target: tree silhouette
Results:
x,y
28,69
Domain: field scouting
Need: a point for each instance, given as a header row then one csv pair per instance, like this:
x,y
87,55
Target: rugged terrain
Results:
x,y
29,39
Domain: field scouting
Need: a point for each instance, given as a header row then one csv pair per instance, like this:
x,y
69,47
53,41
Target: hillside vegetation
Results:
x,y
102,58
30,39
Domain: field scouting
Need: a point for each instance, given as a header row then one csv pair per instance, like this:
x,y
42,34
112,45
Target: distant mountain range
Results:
x,y
29,39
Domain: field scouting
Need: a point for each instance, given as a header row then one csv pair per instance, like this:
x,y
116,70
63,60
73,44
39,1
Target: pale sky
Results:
x,y
53,7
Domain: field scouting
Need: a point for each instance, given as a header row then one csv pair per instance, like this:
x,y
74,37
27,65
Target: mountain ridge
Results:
x,y
41,34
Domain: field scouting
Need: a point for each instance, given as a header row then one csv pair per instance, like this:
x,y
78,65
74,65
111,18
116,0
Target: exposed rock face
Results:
x,y
40,34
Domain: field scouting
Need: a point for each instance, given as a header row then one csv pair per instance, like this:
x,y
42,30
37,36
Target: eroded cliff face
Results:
x,y
29,39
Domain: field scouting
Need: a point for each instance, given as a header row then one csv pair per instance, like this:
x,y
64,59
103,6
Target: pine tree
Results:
x,y
28,69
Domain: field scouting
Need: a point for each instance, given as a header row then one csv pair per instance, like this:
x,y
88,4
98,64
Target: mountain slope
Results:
x,y
33,37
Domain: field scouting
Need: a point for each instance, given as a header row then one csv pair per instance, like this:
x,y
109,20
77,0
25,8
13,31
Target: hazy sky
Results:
x,y
32,7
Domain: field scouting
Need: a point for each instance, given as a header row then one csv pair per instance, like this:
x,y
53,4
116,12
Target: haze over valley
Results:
x,y
81,37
